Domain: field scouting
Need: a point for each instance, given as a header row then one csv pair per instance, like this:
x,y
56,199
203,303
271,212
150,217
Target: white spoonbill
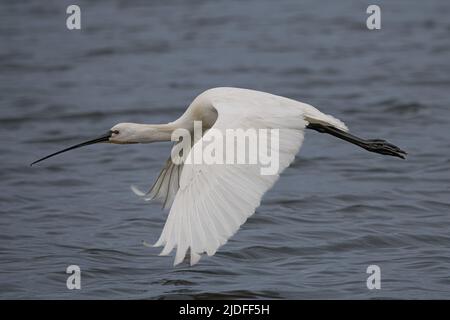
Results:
x,y
209,202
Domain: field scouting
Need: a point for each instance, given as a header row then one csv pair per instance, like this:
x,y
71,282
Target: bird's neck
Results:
x,y
154,132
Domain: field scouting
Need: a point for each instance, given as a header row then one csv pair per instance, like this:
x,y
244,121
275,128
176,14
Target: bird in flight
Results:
x,y
209,202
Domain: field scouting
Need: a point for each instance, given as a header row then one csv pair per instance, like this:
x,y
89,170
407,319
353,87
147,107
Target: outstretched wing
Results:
x,y
166,185
214,200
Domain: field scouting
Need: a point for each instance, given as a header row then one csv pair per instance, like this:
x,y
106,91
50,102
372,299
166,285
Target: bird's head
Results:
x,y
126,133
123,133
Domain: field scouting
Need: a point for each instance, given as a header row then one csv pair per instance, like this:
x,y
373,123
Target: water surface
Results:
x,y
335,211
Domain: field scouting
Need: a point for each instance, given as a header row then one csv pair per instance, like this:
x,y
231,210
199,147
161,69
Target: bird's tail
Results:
x,y
312,115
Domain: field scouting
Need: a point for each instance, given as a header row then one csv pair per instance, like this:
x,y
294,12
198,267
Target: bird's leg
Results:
x,y
372,145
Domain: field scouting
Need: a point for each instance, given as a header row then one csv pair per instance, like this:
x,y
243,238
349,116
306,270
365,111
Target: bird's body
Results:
x,y
250,103
214,200
209,202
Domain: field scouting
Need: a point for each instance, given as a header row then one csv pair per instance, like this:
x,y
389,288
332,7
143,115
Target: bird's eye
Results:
x,y
115,131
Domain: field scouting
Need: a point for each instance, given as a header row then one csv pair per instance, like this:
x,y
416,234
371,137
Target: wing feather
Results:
x,y
165,186
213,201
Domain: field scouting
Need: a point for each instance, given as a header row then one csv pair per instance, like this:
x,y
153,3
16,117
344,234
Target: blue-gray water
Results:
x,y
335,211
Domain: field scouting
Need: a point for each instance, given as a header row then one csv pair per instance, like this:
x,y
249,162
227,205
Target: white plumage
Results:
x,y
213,201
209,202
